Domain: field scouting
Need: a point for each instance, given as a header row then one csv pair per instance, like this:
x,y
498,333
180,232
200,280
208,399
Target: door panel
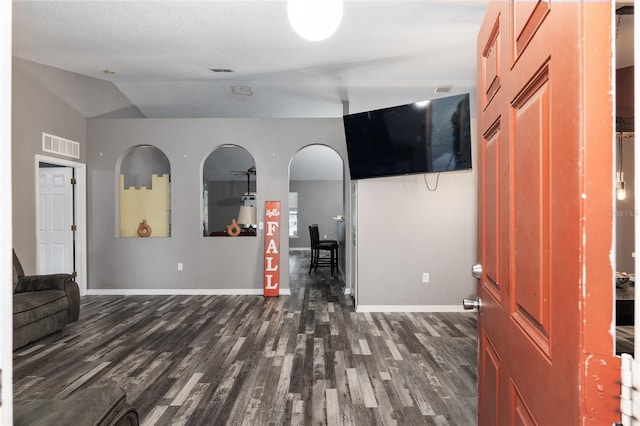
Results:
x,y
55,217
545,164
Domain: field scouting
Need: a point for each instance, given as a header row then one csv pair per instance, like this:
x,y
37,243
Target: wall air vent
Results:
x,y
444,89
61,146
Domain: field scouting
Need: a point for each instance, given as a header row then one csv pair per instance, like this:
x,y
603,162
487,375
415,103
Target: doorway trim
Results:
x,y
80,172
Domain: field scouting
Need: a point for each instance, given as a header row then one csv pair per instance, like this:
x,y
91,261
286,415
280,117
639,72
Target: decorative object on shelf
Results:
x,y
234,229
247,217
272,248
315,20
144,230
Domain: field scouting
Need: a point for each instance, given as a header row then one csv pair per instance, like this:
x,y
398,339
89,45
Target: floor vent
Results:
x,y
57,145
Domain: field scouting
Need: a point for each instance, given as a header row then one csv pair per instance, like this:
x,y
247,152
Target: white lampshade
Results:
x,y
247,215
315,20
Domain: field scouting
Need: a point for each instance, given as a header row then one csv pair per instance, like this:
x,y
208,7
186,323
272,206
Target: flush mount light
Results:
x,y
314,20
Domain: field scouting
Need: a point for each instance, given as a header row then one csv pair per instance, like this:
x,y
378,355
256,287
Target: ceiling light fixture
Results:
x,y
315,20
621,192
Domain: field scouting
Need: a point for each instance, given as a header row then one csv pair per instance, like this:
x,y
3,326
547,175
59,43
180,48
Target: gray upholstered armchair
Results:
x,y
42,304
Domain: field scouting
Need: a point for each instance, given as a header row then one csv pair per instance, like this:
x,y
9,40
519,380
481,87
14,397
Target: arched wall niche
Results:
x,y
144,193
229,182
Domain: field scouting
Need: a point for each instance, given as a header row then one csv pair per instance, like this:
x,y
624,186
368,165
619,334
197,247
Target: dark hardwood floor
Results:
x,y
308,358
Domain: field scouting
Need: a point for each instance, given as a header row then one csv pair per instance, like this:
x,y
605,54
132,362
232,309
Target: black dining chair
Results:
x,y
318,247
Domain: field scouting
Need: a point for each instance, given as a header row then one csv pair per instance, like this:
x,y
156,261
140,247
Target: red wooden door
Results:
x,y
545,143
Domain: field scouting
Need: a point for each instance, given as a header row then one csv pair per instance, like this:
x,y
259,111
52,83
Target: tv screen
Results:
x,y
422,137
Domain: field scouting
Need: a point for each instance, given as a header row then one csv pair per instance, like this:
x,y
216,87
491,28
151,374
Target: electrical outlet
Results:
x,y
425,277
179,266
325,236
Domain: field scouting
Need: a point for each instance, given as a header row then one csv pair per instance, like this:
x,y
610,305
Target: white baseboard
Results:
x,y
410,308
181,292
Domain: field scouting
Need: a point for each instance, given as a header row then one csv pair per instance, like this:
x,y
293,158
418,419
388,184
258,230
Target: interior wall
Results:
x,y
6,262
49,100
318,202
626,213
405,230
224,263
36,109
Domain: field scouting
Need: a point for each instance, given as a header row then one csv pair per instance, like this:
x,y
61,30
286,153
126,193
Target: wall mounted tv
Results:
x,y
423,137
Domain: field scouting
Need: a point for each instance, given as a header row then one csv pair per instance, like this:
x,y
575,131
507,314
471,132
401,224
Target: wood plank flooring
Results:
x,y
308,358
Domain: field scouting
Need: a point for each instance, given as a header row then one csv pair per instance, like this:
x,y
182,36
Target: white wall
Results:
x,y
405,230
6,269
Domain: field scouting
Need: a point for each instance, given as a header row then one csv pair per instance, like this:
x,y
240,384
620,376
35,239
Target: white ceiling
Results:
x,y
384,53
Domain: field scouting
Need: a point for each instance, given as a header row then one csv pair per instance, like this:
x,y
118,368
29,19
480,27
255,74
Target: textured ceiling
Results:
x,y
384,53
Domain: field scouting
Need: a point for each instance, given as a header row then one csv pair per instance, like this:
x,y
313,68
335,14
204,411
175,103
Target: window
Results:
x,y
293,214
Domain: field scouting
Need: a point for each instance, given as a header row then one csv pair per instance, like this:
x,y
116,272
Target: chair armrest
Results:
x,y
30,283
42,282
73,294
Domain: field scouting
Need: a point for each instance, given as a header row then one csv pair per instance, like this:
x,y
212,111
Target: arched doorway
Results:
x,y
316,196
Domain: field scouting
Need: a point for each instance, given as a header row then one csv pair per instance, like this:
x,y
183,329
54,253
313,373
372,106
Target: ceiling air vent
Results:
x,y
221,70
61,146
242,90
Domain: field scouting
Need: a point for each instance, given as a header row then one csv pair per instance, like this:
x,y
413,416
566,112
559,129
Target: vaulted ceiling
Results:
x,y
384,53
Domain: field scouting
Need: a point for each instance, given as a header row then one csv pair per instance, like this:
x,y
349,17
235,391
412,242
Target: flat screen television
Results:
x,y
423,137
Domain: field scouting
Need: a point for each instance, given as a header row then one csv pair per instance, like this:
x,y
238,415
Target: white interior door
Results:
x,y
55,219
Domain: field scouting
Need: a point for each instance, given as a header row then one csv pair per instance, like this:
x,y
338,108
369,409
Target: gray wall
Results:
x,y
49,100
405,230
318,202
209,263
626,214
391,260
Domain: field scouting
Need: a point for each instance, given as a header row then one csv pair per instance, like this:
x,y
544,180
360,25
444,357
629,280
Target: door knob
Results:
x,y
468,304
476,271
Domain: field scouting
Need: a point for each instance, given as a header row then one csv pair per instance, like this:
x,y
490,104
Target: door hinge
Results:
x,y
73,181
602,388
629,380
73,228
